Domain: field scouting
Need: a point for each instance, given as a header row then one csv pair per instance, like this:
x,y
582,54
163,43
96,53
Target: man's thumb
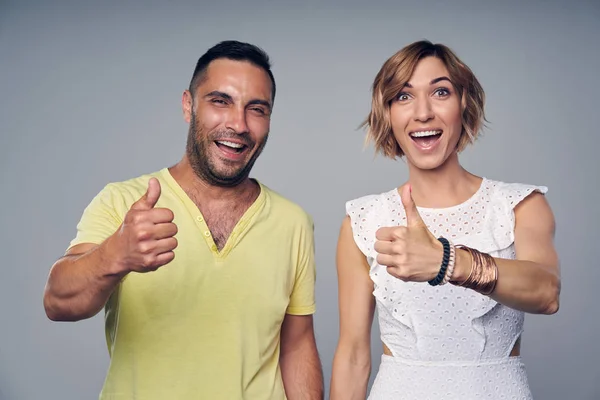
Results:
x,y
150,198
413,218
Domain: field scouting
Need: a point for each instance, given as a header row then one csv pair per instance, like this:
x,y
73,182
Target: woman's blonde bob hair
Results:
x,y
396,72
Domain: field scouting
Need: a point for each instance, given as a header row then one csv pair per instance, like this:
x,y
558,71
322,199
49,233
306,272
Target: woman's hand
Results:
x,y
410,253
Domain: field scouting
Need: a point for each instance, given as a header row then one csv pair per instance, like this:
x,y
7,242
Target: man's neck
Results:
x,y
206,193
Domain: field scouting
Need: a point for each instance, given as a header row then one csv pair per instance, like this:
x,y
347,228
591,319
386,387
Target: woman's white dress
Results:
x,y
447,342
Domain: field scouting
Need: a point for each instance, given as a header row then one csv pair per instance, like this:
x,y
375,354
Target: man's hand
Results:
x,y
145,241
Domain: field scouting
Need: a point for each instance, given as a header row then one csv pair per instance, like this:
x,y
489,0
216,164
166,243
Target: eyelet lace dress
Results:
x,y
447,342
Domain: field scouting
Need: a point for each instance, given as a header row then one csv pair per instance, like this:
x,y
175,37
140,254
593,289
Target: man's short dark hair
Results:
x,y
232,50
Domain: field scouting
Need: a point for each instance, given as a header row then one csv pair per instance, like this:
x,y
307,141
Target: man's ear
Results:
x,y
187,104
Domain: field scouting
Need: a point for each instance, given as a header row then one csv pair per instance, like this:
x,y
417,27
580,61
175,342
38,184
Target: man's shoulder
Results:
x,y
131,189
286,209
120,195
134,186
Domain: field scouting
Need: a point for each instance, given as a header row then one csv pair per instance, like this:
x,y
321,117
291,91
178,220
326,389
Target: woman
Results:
x,y
452,260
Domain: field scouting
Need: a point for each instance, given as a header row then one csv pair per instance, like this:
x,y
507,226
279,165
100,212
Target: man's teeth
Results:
x,y
230,144
425,133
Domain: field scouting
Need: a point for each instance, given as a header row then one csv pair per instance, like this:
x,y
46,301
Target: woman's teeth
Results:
x,y
425,134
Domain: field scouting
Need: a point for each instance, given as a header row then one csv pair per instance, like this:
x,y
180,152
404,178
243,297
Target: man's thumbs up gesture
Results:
x,y
411,252
145,241
150,198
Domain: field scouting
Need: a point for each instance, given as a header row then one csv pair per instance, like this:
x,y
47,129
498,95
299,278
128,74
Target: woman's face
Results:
x,y
426,116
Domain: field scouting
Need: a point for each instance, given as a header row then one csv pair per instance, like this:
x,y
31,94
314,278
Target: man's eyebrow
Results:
x,y
260,102
225,96
216,93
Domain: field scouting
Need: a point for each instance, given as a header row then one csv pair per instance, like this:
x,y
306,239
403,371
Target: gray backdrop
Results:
x,y
91,94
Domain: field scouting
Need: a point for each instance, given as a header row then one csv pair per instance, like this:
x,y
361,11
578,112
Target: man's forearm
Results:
x,y
79,285
302,373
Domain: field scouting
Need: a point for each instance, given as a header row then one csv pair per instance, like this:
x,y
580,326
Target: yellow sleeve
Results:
x,y
100,219
302,300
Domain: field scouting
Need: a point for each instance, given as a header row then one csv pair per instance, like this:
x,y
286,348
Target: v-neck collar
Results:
x,y
240,227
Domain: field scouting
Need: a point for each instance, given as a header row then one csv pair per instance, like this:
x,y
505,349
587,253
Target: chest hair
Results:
x,y
221,217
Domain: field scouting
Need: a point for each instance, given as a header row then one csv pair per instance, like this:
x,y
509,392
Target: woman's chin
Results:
x,y
426,164
431,162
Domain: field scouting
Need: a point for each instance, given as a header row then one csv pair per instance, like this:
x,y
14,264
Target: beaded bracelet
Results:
x,y
445,261
451,264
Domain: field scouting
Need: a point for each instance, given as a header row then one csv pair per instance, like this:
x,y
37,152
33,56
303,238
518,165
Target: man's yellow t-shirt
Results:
x,y
206,325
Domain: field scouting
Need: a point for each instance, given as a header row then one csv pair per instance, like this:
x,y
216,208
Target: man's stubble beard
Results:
x,y
197,149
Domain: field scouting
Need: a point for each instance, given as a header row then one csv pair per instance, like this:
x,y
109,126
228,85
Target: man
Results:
x,y
206,275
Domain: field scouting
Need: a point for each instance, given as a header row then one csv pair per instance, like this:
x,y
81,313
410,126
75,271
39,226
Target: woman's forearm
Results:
x,y
350,375
523,285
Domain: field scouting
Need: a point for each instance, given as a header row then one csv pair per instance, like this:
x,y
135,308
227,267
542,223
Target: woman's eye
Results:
x,y
442,92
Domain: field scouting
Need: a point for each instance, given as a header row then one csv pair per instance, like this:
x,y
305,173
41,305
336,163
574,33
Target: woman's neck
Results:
x,y
442,187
